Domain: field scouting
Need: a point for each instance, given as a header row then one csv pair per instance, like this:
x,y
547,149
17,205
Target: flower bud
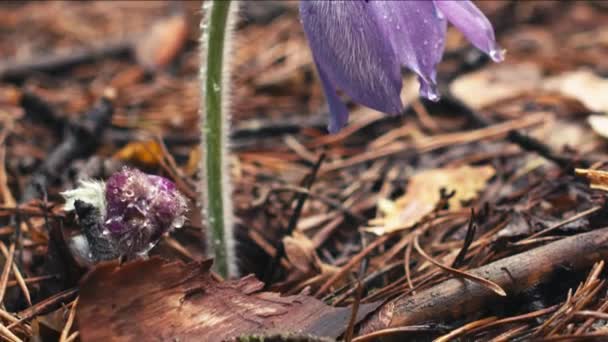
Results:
x,y
135,210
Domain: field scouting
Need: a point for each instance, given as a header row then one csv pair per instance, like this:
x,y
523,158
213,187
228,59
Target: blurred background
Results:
x,y
59,58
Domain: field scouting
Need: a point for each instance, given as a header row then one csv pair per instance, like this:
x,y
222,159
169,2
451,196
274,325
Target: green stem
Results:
x,y
215,172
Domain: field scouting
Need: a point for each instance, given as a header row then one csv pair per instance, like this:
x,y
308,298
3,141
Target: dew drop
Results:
x,y
433,96
497,55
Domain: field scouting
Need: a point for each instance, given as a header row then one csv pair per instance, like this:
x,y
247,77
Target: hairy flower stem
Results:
x,y
216,195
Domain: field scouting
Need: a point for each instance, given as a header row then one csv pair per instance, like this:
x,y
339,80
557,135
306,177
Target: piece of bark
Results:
x,y
156,300
455,298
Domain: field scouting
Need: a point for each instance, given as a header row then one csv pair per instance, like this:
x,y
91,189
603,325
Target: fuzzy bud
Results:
x,y
135,210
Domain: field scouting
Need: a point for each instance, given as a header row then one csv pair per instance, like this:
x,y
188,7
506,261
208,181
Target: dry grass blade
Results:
x,y
484,282
575,302
464,329
350,330
7,270
563,223
18,276
8,335
590,313
374,336
514,319
73,337
597,336
352,263
510,334
68,324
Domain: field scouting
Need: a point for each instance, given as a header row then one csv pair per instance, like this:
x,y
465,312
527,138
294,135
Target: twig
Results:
x,y
468,240
14,70
350,330
80,140
455,298
293,220
524,141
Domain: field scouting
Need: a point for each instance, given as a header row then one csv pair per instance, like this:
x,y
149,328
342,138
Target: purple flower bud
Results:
x,y
140,208
127,215
359,47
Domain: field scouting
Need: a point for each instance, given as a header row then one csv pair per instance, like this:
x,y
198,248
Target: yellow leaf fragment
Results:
x,y
424,192
148,152
598,179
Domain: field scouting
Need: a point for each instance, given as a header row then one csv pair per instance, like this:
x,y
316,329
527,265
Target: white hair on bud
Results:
x,y
89,191
226,199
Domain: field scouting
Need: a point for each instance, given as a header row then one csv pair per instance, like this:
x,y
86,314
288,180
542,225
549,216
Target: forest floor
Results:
x,y
479,217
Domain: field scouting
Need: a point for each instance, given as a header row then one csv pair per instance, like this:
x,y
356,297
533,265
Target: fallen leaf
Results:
x,y
300,252
147,153
598,179
599,124
495,83
423,194
309,270
162,43
503,81
153,300
583,85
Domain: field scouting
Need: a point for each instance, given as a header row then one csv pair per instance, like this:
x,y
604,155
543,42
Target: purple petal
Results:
x,y
347,43
417,33
338,113
473,24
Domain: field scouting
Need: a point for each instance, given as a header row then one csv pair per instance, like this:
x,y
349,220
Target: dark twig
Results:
x,y
456,298
40,111
468,240
524,141
293,220
48,305
81,139
15,70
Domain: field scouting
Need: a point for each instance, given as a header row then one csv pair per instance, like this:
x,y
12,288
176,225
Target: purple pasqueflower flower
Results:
x,y
132,210
140,208
359,46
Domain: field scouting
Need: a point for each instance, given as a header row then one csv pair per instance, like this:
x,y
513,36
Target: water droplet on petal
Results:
x,y
497,55
429,91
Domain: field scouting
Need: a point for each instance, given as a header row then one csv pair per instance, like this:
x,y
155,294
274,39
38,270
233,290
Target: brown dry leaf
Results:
x,y
152,300
300,252
583,85
495,83
160,45
598,179
599,124
503,81
423,194
148,153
